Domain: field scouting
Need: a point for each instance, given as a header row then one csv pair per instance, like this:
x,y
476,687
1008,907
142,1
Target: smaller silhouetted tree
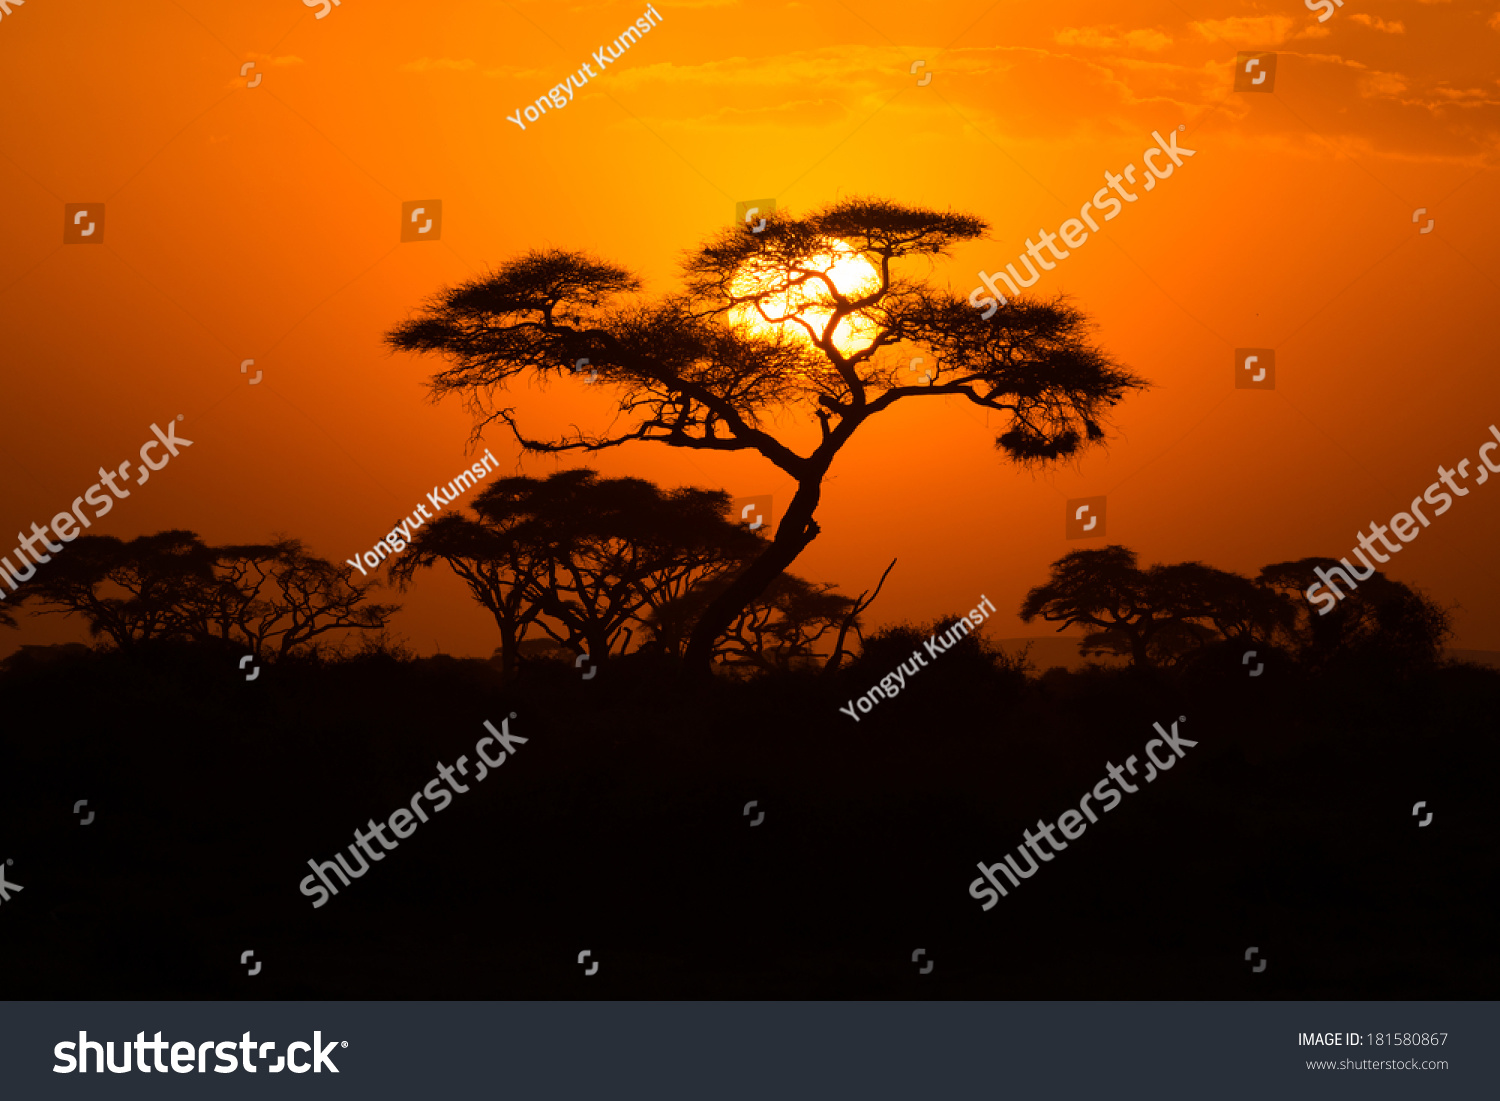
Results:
x,y
272,599
586,560
1100,588
283,598
1160,615
780,630
1380,622
1156,616
494,558
129,593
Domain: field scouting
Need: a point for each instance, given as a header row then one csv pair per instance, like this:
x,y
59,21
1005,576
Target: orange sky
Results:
x,y
264,223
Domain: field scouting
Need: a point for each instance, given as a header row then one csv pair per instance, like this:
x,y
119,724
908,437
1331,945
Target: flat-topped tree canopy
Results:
x,y
691,372
788,318
585,559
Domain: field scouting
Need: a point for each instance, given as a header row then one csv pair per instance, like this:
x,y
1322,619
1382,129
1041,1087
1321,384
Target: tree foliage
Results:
x,y
585,560
273,599
1159,616
781,629
1381,621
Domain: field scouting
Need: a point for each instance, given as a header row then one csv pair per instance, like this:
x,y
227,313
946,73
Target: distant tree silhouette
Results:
x,y
780,629
1154,616
273,599
690,373
128,592
1160,615
493,559
278,598
585,559
1237,608
1101,588
1381,620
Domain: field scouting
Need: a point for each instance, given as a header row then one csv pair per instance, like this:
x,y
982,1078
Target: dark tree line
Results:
x,y
1160,617
596,566
603,566
272,599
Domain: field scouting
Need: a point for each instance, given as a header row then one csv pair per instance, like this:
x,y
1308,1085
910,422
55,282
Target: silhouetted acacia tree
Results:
x,y
128,592
1237,608
273,598
493,558
586,559
1158,615
692,373
1102,588
1380,620
278,598
780,629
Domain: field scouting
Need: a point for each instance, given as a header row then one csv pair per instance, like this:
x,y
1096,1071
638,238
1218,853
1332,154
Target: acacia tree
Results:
x,y
492,559
128,592
278,597
767,324
1381,618
1101,588
780,629
586,559
1156,615
273,598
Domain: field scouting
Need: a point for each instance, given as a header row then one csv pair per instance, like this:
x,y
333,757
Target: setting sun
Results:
x,y
786,299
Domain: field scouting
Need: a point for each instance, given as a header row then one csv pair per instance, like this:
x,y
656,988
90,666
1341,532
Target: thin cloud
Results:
x,y
1395,26
438,64
1110,38
1262,30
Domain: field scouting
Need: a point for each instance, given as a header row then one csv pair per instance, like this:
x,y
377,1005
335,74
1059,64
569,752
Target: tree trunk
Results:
x,y
1138,652
509,648
796,530
598,643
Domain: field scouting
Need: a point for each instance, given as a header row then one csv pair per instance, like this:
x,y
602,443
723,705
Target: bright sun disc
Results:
x,y
850,272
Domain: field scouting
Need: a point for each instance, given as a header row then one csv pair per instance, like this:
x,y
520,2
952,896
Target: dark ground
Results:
x,y
619,828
